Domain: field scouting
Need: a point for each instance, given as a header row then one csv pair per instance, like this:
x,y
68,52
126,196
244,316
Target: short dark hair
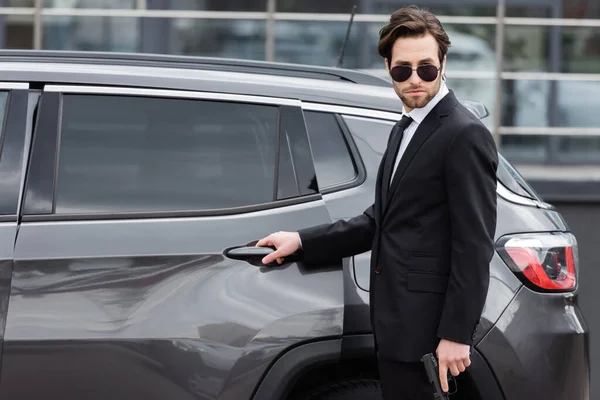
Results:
x,y
412,21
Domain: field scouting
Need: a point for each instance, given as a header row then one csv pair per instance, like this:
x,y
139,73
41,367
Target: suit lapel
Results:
x,y
431,122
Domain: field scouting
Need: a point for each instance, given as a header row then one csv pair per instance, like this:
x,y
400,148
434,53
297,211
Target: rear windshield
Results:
x,y
511,178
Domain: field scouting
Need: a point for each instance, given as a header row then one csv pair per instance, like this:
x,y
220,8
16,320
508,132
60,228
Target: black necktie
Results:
x,y
393,148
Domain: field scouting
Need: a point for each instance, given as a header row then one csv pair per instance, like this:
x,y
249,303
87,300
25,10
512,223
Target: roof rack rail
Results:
x,y
197,62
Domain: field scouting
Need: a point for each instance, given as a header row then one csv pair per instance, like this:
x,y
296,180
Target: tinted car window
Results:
x,y
333,162
132,154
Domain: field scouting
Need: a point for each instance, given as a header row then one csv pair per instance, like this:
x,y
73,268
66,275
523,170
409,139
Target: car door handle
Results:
x,y
245,252
254,255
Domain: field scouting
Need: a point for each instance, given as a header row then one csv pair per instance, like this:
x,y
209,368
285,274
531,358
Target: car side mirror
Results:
x,y
476,108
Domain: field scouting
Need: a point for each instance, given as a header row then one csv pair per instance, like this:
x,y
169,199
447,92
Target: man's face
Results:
x,y
412,52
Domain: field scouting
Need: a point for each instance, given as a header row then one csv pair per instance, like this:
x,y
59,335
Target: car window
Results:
x,y
3,100
513,181
136,154
333,161
372,132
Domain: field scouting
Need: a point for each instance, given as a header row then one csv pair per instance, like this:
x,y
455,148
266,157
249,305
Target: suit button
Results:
x,y
378,270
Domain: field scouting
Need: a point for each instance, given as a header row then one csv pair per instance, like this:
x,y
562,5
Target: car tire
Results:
x,y
357,389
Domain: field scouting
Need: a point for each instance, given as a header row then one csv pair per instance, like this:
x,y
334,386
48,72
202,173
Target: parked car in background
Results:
x,y
134,189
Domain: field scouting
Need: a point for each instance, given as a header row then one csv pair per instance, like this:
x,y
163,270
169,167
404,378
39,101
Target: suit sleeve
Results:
x,y
332,242
471,165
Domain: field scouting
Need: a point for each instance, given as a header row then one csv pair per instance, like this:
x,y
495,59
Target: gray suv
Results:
x,y
133,191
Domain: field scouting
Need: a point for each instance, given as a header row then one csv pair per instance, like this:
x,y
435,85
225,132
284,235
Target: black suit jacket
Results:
x,y
431,239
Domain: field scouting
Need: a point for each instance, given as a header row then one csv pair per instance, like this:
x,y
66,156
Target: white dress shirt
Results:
x,y
418,115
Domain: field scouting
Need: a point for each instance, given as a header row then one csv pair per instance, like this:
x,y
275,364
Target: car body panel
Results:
x,y
539,348
165,289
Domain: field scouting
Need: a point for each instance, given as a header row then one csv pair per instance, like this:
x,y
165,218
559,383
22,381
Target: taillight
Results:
x,y
543,261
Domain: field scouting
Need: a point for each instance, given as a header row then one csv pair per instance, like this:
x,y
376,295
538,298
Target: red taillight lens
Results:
x,y
546,261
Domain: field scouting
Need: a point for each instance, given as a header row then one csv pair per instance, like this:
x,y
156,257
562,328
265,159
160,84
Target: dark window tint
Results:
x,y
127,154
333,162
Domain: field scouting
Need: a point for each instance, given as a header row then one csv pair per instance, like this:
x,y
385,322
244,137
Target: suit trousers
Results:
x,y
404,380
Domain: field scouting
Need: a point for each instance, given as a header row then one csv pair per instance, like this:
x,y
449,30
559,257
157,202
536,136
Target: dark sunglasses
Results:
x,y
428,73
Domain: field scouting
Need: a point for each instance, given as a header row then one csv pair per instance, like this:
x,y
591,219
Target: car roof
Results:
x,y
318,84
195,62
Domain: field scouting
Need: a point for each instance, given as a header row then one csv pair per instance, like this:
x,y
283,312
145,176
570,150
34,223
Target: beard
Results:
x,y
423,99
417,102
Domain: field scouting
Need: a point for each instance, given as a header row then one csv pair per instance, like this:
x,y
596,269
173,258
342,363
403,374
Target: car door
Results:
x,y
135,272
16,109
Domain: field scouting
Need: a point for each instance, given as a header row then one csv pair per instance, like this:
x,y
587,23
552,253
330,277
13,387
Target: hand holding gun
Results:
x,y
431,367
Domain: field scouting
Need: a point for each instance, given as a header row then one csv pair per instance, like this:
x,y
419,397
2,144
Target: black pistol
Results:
x,y
431,367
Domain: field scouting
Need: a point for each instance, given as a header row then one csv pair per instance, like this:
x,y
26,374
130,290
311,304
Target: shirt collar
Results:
x,y
419,114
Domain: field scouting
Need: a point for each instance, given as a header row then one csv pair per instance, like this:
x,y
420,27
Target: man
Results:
x,y
432,225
